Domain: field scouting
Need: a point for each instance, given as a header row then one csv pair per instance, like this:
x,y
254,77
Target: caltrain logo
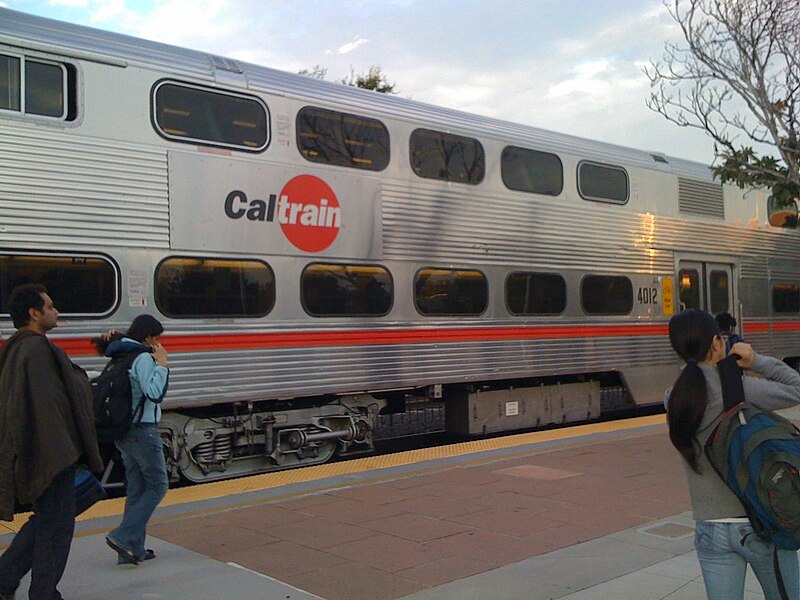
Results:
x,y
306,209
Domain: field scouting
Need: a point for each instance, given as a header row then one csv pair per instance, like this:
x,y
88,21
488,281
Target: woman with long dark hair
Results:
x,y
141,447
724,540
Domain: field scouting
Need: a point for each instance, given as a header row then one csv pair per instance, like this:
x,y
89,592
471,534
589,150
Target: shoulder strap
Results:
x,y
730,376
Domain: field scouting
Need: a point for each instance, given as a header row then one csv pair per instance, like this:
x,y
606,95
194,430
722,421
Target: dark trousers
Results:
x,y
42,545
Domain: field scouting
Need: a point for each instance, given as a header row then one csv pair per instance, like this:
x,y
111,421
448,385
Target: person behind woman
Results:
x,y
724,540
140,447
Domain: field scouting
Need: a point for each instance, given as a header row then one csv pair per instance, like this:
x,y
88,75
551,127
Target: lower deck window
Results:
x,y
346,290
786,298
451,292
210,287
78,285
606,295
536,293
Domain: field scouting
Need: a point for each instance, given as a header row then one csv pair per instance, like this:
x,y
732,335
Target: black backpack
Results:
x,y
112,398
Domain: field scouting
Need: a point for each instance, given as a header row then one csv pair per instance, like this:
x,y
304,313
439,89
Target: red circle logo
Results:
x,y
309,213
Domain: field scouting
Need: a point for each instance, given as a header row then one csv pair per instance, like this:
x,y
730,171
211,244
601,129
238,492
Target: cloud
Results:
x,y
67,3
350,46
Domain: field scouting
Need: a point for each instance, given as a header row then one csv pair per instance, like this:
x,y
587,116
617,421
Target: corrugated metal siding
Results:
x,y
700,198
202,378
83,191
426,224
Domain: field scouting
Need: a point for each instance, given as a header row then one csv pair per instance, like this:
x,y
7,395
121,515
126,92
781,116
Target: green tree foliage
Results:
x,y
373,79
738,79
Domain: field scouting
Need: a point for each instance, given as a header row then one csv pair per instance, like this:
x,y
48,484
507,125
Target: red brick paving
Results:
x,y
392,538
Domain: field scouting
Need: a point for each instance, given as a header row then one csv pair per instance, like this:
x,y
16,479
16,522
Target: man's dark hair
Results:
x,y
22,299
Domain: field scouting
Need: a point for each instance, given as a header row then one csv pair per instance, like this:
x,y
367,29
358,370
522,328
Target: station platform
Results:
x,y
591,512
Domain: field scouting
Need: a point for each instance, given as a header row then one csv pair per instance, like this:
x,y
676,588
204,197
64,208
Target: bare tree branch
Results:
x,y
738,79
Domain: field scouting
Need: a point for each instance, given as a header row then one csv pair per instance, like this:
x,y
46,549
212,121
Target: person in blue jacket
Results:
x,y
141,447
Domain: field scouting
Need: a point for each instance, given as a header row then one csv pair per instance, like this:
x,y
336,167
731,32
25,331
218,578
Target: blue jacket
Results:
x,y
148,379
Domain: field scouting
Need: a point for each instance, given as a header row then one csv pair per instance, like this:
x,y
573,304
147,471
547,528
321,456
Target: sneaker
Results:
x,y
124,560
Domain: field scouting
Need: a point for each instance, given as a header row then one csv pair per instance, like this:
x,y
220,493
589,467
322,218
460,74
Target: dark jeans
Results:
x,y
42,545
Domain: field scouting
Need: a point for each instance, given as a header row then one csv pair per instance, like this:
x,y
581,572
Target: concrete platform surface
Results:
x,y
586,514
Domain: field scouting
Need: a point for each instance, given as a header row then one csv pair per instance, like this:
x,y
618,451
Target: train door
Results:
x,y
707,286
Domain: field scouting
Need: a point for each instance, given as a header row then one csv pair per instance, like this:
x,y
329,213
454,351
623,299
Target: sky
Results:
x,y
572,66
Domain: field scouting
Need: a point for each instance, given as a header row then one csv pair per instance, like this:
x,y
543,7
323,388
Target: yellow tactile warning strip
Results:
x,y
219,489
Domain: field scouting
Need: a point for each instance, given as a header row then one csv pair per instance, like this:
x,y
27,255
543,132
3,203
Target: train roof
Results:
x,y
78,41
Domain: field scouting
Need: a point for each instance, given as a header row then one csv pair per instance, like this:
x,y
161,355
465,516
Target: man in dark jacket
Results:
x,y
46,426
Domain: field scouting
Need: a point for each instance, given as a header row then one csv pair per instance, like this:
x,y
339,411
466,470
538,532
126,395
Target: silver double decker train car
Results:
x,y
322,254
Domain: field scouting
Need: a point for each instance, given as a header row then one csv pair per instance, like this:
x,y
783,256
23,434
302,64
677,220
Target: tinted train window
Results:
x,y
436,155
782,213
536,293
450,292
36,87
786,298
196,115
206,287
78,285
718,291
603,183
532,171
606,295
689,285
346,290
335,138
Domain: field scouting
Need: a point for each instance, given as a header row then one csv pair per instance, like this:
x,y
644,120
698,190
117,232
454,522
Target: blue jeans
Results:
x,y
725,550
146,476
42,545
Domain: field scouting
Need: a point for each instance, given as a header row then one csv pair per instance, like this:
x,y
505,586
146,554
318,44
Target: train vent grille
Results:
x,y
700,198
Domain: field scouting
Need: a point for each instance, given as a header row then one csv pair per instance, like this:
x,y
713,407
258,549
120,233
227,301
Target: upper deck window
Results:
x,y
604,183
37,87
196,115
532,171
437,155
342,139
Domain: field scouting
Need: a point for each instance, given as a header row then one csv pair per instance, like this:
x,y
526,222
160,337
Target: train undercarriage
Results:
x,y
249,438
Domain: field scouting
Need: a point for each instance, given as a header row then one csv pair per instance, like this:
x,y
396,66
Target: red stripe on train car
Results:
x,y
369,337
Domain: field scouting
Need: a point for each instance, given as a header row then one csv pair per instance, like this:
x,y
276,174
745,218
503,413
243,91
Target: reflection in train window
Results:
x,y
689,285
37,87
786,298
532,171
79,285
196,115
436,155
606,295
782,213
718,291
341,139
450,292
346,290
209,287
536,293
604,183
